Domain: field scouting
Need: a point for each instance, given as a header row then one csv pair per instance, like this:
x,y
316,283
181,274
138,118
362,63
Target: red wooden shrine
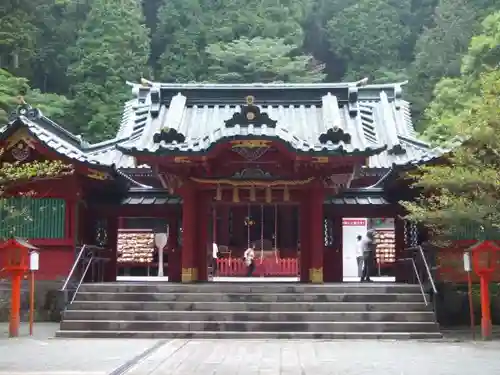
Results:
x,y
276,165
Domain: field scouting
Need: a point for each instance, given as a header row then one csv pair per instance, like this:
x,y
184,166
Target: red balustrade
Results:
x,y
268,267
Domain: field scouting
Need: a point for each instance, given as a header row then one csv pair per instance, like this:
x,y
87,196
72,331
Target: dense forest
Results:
x,y
71,58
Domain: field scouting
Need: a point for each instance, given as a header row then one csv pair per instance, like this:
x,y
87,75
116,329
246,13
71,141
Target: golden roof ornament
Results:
x,y
250,100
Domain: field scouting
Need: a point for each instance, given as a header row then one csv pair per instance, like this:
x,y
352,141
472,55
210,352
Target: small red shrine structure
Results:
x,y
274,165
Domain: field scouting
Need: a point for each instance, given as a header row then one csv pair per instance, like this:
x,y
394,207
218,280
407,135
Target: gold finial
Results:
x,y
250,100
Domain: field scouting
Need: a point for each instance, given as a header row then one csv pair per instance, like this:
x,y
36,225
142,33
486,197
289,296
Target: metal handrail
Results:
x,y
426,264
418,278
427,268
73,268
81,279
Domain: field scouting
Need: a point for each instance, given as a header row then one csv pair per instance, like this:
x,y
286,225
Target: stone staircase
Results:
x,y
245,310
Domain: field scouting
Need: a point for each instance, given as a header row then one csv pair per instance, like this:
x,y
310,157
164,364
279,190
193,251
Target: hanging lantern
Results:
x,y
236,195
269,195
286,194
218,194
252,194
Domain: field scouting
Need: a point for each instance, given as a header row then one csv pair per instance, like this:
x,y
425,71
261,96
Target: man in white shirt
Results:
x,y
215,255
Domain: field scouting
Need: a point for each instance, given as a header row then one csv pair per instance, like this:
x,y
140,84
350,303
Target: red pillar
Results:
x,y
15,304
112,229
201,252
189,235
305,247
316,229
174,249
403,271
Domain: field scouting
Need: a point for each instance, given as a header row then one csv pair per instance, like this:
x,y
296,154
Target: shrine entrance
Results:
x,y
272,230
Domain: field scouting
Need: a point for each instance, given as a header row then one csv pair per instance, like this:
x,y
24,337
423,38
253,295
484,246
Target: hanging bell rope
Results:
x,y
261,232
218,193
286,194
269,195
236,195
252,194
248,220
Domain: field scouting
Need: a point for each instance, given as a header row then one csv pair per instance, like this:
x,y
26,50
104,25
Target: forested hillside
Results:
x,y
77,54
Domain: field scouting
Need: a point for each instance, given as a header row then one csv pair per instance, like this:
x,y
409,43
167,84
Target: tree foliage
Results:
x,y
466,191
453,96
14,89
112,44
261,60
85,50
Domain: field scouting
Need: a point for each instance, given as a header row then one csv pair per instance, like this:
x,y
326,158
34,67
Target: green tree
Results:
x,y
261,60
465,192
369,35
452,96
12,88
112,47
440,47
187,27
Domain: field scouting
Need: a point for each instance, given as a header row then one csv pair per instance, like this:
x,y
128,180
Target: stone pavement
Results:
x,y
41,355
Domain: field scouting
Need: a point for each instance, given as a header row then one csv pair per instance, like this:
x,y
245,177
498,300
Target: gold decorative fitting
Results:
x,y
97,175
269,195
218,194
247,183
320,159
252,194
316,275
236,195
182,160
286,194
250,116
189,275
250,100
250,144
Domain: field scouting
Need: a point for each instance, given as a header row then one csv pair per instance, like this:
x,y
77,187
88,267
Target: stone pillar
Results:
x,y
403,270
304,235
189,234
317,242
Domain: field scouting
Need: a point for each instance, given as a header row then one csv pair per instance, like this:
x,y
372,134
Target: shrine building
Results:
x,y
296,170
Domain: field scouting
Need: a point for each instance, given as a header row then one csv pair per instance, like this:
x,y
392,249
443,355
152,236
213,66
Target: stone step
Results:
x,y
250,306
263,326
245,316
254,297
250,288
432,335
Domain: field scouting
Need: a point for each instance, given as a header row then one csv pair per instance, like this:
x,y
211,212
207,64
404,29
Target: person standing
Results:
x,y
368,247
215,256
249,256
359,254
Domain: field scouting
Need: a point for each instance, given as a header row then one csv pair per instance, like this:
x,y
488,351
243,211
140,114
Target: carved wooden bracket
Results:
x,y
169,135
335,135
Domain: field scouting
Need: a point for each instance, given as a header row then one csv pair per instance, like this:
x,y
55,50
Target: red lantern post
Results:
x,y
484,257
17,263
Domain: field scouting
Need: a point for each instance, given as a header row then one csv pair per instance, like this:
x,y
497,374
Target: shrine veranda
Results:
x,y
297,170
